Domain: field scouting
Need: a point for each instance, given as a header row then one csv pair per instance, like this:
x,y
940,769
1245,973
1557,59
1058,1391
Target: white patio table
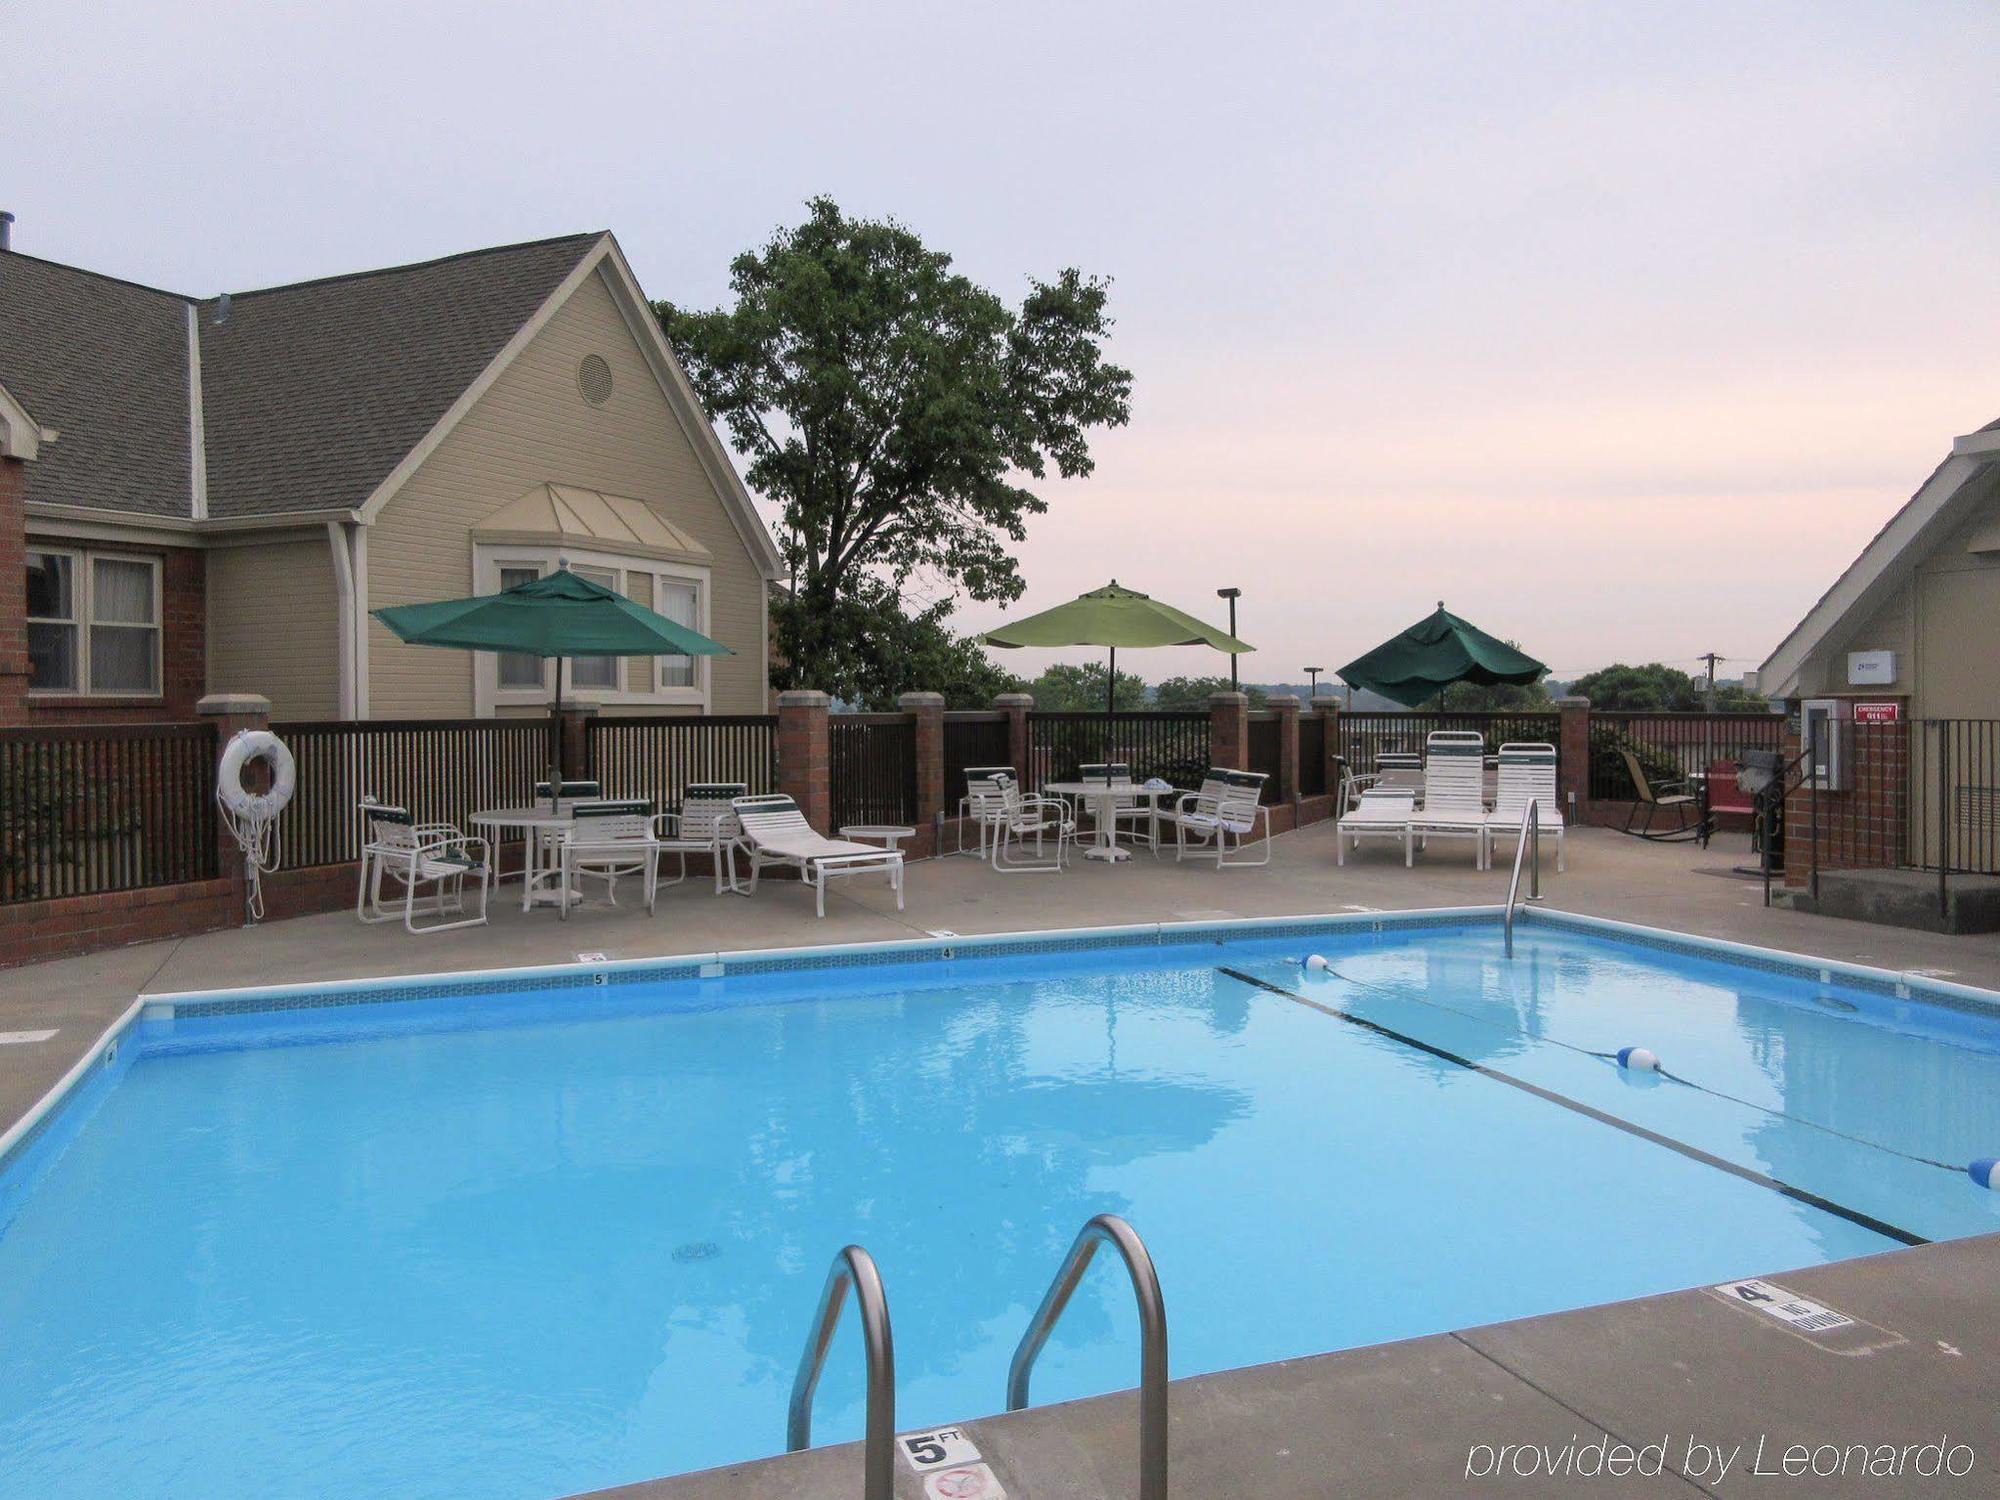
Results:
x,y
1103,799
540,881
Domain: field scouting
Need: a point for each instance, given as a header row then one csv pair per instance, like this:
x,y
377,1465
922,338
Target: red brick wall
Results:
x,y
38,930
1865,827
183,645
13,588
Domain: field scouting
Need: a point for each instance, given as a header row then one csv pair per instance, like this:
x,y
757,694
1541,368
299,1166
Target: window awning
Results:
x,y
591,520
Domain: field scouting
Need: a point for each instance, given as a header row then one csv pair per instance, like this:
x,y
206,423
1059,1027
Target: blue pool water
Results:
x,y
532,1244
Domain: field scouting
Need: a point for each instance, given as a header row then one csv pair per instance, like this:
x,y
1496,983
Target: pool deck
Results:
x,y
1400,1419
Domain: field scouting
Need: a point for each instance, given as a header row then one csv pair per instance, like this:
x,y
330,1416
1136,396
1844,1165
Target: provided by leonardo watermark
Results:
x,y
1718,1462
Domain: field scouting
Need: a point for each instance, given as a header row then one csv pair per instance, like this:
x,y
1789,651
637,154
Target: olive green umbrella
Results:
x,y
559,615
1113,616
1434,653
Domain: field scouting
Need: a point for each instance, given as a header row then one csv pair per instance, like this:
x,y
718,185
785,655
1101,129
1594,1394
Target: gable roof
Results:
x,y
313,393
1939,504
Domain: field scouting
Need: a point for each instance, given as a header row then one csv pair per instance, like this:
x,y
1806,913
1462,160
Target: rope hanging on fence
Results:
x,y
250,816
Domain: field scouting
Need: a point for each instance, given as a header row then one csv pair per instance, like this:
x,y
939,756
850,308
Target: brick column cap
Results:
x,y
577,706
1014,700
1230,700
234,706
1572,703
804,698
909,702
1284,703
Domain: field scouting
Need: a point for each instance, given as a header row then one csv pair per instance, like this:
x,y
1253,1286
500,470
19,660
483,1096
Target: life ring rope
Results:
x,y
251,816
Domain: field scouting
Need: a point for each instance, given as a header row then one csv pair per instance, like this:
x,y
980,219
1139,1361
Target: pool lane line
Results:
x,y
1957,1170
1692,1153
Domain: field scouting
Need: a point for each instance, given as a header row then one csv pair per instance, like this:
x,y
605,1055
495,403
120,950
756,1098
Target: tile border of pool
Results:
x,y
320,994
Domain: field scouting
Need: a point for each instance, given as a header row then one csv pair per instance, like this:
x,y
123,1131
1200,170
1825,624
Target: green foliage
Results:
x,y
1496,697
1065,689
1194,692
1657,688
888,405
877,650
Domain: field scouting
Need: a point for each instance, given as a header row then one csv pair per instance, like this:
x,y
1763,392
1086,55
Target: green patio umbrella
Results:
x,y
559,615
1113,616
1433,654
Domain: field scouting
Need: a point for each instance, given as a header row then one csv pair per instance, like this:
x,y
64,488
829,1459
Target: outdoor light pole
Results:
x,y
1232,595
1312,693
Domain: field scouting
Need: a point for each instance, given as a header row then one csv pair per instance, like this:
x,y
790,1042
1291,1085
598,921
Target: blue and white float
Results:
x,y
1638,1060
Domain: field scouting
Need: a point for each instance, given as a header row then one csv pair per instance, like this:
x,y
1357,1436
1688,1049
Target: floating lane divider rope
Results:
x,y
1985,1171
1577,1106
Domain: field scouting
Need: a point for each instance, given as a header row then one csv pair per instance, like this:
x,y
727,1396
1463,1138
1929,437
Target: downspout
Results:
x,y
343,579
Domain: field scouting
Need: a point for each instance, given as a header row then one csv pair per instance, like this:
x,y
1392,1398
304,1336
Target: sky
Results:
x,y
1619,327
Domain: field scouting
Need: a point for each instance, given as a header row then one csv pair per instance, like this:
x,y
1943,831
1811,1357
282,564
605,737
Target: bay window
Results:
x,y
93,623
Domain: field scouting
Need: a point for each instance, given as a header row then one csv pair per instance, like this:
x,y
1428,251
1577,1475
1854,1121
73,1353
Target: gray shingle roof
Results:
x,y
104,362
311,394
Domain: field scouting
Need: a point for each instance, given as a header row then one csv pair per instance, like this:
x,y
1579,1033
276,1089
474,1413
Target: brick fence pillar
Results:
x,y
928,710
1573,755
1016,706
1329,710
13,590
573,720
1286,707
231,713
803,763
1229,731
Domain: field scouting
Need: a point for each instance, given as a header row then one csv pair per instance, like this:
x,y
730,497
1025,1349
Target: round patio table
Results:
x,y
540,880
888,835
1103,799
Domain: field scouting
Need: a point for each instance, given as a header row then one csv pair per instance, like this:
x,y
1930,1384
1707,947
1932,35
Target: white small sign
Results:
x,y
590,958
939,1449
1870,668
971,1482
1796,1313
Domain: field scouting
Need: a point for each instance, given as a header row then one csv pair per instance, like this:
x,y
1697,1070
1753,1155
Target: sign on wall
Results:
x,y
1877,713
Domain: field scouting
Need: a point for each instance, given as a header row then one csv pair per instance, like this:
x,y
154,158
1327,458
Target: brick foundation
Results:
x,y
34,931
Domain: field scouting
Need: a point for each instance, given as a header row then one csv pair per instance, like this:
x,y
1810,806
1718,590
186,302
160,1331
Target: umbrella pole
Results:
x,y
555,725
1110,701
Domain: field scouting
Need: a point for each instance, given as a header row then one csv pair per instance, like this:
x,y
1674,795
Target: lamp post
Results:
x,y
1312,673
1232,595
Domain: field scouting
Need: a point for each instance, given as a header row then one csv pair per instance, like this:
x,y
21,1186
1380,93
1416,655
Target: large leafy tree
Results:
x,y
1194,692
1080,689
896,412
879,649
1657,688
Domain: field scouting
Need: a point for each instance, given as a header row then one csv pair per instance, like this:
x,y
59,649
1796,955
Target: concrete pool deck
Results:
x,y
1395,1420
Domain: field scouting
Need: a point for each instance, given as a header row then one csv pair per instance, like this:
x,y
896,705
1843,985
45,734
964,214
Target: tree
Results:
x,y
1194,692
890,407
1496,697
1066,689
879,651
1657,688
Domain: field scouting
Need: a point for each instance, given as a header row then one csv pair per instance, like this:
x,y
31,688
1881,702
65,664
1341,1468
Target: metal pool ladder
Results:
x,y
1109,1228
1531,840
854,1267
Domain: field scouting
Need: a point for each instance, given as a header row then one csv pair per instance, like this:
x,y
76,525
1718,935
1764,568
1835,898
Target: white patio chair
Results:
x,y
1527,774
1377,812
1222,816
608,840
1400,770
1019,818
1454,795
705,824
981,804
567,794
775,832
397,848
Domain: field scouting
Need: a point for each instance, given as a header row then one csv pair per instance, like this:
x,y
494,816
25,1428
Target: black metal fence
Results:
x,y
1363,736
88,809
1312,755
1264,753
1672,747
1171,746
1954,780
660,757
972,739
872,768
442,770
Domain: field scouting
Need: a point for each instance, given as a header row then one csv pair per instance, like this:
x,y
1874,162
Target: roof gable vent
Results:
x,y
593,379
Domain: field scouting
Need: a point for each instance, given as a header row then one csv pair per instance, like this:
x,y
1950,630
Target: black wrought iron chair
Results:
x,y
1653,797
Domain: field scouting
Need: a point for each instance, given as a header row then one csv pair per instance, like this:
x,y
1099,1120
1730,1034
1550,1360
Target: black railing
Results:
x,y
1263,751
1171,746
1954,823
442,770
1363,736
659,757
88,809
1672,747
972,739
1312,755
872,768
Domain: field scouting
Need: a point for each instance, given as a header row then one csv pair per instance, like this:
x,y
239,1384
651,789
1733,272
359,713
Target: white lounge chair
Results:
x,y
1379,812
608,840
1527,774
775,832
1221,818
1454,795
398,848
705,824
1017,818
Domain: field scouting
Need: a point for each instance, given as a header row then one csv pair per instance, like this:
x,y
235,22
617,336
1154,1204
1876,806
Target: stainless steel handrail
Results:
x,y
853,1266
1109,1228
1531,839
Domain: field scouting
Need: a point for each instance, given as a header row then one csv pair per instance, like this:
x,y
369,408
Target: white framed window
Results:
x,y
93,623
680,591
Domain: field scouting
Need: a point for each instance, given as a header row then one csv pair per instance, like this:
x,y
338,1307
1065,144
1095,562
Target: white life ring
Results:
x,y
245,746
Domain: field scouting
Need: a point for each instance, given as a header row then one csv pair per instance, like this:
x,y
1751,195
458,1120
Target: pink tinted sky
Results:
x,y
1620,327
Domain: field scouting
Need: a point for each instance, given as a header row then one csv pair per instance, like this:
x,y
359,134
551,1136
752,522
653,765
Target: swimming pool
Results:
x,y
528,1235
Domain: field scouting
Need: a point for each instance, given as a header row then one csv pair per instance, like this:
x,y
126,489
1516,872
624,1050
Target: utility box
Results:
x,y
1826,734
